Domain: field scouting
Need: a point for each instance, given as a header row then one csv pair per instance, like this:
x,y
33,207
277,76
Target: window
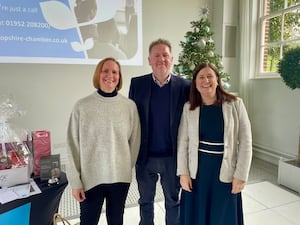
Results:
x,y
279,23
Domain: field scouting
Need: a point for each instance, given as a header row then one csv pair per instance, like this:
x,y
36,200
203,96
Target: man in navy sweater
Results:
x,y
159,97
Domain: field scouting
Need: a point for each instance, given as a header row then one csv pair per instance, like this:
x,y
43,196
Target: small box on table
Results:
x,y
50,167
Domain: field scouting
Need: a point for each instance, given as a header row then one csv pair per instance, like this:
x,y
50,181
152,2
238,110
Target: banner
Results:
x,y
70,31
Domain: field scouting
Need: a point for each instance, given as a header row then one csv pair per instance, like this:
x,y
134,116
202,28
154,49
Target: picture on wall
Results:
x,y
70,31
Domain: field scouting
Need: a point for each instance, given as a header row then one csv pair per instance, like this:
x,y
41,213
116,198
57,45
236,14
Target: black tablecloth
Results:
x,y
43,205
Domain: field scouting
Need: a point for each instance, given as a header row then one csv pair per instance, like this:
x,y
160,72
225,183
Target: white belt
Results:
x,y
212,152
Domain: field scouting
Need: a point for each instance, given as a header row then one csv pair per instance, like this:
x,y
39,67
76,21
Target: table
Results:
x,y
43,205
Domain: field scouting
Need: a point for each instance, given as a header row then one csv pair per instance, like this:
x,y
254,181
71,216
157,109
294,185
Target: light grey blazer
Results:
x,y
237,142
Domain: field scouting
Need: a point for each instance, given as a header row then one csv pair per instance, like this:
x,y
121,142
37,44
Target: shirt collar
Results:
x,y
164,83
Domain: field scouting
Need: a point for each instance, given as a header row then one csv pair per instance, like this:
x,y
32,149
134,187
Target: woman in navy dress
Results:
x,y
214,152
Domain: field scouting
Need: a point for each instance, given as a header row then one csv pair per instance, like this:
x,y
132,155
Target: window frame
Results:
x,y
264,16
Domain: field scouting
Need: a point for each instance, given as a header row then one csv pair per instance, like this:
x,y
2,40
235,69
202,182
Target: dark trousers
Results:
x,y
114,196
147,176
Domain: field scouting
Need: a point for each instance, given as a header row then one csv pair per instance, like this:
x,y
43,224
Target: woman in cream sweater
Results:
x,y
103,142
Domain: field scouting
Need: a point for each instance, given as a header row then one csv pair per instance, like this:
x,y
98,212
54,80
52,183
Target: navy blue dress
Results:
x,y
211,201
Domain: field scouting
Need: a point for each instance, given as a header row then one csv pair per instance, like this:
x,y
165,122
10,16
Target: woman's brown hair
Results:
x,y
195,96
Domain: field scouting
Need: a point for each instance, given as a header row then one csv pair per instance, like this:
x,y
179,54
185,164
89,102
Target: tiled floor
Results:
x,y
268,204
264,202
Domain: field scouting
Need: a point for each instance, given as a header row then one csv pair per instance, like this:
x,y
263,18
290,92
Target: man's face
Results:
x,y
160,59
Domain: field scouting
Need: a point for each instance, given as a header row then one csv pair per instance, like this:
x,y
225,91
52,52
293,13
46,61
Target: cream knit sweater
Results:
x,y
103,141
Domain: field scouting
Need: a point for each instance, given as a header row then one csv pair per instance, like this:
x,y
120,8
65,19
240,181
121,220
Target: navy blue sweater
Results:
x,y
160,143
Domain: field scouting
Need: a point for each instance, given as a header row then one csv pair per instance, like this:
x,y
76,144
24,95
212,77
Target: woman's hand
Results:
x,y
237,186
78,194
186,183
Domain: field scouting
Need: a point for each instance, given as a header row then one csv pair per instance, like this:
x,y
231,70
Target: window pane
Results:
x,y
293,2
290,45
272,29
291,25
271,58
274,6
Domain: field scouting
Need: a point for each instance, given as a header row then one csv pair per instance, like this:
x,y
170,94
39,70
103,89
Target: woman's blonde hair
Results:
x,y
98,70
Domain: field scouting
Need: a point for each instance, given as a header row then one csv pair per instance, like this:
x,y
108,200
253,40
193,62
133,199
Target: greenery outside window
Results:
x,y
279,22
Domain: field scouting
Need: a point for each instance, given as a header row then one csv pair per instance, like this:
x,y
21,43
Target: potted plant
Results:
x,y
289,70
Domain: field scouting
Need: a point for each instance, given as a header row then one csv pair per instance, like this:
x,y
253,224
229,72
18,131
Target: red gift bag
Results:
x,y
41,146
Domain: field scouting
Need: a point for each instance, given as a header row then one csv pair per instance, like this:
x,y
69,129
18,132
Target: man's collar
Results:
x,y
164,83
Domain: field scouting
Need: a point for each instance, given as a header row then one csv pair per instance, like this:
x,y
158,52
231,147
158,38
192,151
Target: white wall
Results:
x,y
48,92
273,108
225,14
275,116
